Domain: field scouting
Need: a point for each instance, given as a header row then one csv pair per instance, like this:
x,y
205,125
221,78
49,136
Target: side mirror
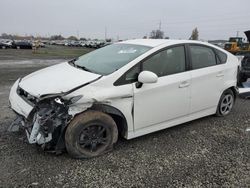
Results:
x,y
147,77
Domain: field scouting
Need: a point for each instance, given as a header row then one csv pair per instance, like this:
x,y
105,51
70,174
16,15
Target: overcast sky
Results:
x,y
215,19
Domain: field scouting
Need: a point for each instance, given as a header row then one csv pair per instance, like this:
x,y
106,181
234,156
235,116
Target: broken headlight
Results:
x,y
26,96
73,100
69,101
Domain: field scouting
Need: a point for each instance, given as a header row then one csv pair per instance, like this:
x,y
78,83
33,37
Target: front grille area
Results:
x,y
26,96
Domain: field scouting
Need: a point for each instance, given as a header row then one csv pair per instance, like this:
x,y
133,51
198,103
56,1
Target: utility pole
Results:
x,y
105,33
77,32
237,35
160,25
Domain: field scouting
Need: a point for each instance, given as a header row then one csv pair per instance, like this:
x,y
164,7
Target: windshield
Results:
x,y
108,59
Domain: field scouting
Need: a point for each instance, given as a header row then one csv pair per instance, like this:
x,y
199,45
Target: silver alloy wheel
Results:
x,y
226,104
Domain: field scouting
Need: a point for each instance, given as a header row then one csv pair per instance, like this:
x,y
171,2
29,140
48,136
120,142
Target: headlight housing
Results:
x,y
69,101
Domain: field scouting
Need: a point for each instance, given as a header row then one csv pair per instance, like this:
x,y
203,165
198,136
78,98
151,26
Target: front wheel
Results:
x,y
226,103
90,134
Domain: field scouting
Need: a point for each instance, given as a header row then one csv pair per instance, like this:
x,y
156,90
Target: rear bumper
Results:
x,y
17,103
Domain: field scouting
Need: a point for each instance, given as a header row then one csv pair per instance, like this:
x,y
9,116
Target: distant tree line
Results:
x,y
158,34
16,37
53,37
195,34
154,34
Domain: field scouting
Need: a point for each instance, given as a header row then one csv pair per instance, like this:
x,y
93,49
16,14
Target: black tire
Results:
x,y
226,103
90,134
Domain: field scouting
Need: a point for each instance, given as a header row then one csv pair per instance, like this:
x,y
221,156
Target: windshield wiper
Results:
x,y
72,62
82,67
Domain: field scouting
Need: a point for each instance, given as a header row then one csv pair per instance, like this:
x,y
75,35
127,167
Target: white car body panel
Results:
x,y
171,123
151,108
148,42
17,103
165,100
55,79
120,97
206,87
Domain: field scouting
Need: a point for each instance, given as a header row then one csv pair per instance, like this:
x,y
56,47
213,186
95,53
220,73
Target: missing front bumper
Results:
x,y
52,141
34,134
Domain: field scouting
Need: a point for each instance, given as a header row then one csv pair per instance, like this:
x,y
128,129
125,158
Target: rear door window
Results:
x,y
202,56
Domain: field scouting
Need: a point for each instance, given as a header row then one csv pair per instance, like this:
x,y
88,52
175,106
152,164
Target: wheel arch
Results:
x,y
116,114
235,91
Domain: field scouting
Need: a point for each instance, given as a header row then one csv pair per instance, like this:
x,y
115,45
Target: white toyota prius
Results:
x,y
130,89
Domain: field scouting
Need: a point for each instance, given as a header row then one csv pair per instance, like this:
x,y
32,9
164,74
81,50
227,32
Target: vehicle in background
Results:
x,y
233,45
236,45
130,89
80,43
95,44
4,46
244,69
221,45
22,45
42,45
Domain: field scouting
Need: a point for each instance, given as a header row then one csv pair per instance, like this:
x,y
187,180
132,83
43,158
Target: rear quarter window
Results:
x,y
222,56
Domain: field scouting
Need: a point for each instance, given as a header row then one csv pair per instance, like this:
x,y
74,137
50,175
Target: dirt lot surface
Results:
x,y
209,152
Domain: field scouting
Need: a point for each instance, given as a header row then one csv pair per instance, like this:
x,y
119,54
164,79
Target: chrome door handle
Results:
x,y
184,84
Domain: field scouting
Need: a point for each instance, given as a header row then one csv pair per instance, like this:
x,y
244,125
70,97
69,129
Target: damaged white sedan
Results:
x,y
130,89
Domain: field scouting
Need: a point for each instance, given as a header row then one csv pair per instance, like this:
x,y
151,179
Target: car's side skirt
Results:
x,y
171,123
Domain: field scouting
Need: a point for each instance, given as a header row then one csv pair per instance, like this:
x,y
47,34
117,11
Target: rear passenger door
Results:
x,y
207,77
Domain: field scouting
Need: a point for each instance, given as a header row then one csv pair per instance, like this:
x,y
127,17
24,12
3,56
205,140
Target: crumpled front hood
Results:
x,y
56,79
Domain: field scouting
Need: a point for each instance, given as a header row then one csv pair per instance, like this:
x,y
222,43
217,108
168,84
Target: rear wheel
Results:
x,y
90,134
226,103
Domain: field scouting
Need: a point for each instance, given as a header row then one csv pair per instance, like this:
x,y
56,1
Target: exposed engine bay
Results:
x,y
46,127
47,121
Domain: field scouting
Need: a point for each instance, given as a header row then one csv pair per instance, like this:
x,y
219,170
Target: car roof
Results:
x,y
158,42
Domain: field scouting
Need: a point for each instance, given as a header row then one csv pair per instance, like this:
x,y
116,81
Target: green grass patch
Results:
x,y
49,52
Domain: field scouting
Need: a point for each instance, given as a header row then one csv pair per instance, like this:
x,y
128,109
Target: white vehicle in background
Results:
x,y
130,89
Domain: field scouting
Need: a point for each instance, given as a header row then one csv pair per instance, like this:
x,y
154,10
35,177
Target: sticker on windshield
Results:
x,y
127,51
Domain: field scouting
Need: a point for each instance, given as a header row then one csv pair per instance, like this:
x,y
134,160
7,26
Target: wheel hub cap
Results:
x,y
226,104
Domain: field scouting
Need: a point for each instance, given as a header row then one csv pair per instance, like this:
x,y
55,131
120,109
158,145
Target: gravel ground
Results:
x,y
209,152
